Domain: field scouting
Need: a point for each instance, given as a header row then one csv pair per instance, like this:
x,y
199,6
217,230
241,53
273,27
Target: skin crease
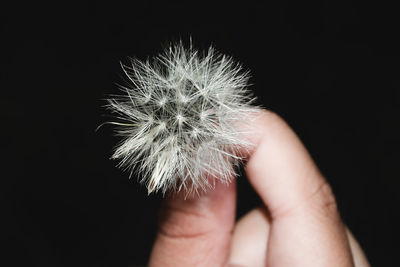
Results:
x,y
299,224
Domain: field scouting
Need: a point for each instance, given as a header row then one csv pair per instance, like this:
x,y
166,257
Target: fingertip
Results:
x,y
250,238
279,167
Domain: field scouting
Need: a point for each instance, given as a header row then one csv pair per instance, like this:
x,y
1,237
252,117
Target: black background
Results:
x,y
331,69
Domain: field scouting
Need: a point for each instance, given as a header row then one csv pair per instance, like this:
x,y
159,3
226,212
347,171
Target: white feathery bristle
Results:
x,y
179,118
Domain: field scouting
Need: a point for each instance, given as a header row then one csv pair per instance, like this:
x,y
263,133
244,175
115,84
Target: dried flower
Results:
x,y
179,118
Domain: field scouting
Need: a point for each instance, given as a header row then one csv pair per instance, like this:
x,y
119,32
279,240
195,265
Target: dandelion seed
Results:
x,y
180,115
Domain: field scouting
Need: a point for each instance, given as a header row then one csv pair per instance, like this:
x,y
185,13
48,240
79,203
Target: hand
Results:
x,y
299,224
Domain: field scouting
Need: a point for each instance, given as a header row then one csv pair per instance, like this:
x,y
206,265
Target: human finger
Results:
x,y
306,229
196,231
250,240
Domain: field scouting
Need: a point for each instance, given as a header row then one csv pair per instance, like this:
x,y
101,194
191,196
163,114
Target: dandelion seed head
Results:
x,y
179,116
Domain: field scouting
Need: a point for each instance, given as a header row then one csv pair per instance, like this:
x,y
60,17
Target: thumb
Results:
x,y
196,231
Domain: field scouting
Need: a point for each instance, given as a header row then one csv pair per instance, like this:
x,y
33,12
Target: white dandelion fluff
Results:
x,y
179,118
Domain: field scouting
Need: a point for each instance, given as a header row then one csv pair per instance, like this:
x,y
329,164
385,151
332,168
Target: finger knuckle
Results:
x,y
180,223
323,202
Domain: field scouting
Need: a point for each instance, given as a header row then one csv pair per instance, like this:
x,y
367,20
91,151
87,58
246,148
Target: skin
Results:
x,y
298,225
